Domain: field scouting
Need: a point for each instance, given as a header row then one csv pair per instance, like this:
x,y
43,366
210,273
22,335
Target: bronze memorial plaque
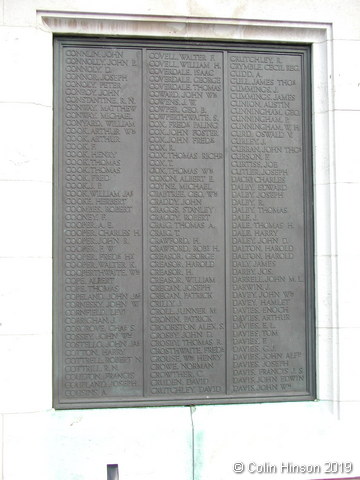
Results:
x,y
183,223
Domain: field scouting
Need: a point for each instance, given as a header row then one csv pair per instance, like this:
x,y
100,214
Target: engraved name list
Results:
x,y
183,224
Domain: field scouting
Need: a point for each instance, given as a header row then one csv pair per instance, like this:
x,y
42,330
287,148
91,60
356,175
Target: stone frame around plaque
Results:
x,y
199,397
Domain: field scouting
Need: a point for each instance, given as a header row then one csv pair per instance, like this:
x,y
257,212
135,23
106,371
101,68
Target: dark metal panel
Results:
x,y
183,260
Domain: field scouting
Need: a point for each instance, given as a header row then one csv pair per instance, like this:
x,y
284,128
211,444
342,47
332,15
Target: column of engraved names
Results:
x,y
185,223
267,292
101,241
